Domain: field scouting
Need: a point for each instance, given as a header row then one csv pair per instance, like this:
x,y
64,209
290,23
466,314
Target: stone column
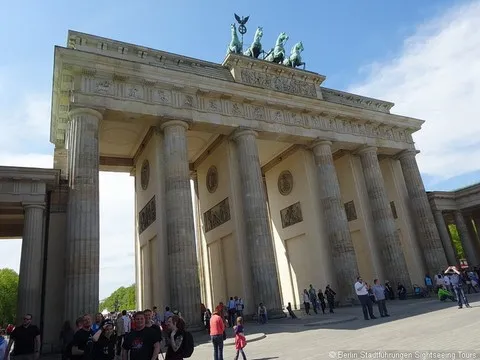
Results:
x,y
343,253
393,259
445,237
31,263
259,240
467,244
473,236
184,282
83,232
427,231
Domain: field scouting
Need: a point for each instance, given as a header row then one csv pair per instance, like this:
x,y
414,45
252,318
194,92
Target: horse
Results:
x,y
235,46
256,48
295,58
277,54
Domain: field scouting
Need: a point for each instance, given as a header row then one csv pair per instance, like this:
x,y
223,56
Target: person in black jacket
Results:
x,y
104,342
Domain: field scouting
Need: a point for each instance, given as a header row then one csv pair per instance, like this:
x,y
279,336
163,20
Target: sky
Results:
x,y
421,55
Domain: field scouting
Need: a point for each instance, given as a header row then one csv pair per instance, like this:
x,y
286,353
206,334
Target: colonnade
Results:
x,y
468,227
82,282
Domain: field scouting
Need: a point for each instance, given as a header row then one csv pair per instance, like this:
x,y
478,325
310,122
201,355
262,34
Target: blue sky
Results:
x,y
422,55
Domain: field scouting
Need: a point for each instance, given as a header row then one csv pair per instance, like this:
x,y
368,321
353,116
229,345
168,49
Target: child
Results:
x,y
240,340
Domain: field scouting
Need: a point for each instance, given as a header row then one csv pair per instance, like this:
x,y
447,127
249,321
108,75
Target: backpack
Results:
x,y
188,345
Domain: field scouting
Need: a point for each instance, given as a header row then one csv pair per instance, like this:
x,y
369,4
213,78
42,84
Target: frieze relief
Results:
x,y
147,216
291,215
278,83
322,121
217,215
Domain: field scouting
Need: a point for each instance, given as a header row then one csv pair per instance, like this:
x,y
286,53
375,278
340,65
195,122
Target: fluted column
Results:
x,y
473,236
83,231
429,237
343,252
184,282
393,259
31,263
265,283
445,237
467,244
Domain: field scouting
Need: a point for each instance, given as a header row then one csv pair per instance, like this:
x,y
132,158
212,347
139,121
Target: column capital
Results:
x,y
27,205
174,123
406,153
366,149
320,142
242,132
80,111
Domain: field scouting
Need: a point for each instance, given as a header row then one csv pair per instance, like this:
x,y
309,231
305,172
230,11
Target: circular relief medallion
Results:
x,y
285,182
145,174
212,179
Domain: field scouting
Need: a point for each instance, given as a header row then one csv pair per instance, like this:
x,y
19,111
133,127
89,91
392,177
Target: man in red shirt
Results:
x,y
217,329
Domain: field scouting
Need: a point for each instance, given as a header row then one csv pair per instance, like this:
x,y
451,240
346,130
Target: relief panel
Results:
x,y
217,215
291,215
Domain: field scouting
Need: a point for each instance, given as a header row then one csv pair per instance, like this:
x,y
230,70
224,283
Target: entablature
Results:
x,y
81,75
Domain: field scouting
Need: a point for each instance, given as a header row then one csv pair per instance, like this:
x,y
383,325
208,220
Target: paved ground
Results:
x,y
414,325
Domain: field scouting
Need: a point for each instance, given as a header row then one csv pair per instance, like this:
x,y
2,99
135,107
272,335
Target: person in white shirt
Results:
x,y
127,322
362,293
457,284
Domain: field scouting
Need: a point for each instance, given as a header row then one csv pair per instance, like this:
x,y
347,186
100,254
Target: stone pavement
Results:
x,y
417,324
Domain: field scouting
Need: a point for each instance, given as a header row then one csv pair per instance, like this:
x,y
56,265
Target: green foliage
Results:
x,y
8,296
121,299
457,244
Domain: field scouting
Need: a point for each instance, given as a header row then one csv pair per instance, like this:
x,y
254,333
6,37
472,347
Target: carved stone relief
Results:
x,y
145,174
285,182
350,211
212,179
291,215
217,215
278,83
321,121
147,216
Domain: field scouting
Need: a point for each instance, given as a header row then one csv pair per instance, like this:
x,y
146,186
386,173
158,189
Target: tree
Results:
x,y
121,299
8,296
457,244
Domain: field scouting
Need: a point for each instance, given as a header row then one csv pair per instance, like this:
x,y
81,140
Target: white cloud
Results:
x,y
436,77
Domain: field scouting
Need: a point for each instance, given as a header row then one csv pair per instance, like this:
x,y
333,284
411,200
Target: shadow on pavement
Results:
x,y
398,310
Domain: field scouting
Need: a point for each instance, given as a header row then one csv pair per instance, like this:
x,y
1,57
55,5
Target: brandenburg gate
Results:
x,y
251,180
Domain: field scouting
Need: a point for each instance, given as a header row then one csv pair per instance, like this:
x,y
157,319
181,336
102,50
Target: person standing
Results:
x,y
217,330
240,339
321,299
104,342
175,340
82,340
27,341
330,294
120,329
142,343
306,301
457,285
379,293
362,293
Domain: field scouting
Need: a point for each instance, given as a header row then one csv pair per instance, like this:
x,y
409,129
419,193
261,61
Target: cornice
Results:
x,y
349,99
49,176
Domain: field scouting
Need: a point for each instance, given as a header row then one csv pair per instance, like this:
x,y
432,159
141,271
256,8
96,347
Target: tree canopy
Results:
x,y
8,296
457,244
121,299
